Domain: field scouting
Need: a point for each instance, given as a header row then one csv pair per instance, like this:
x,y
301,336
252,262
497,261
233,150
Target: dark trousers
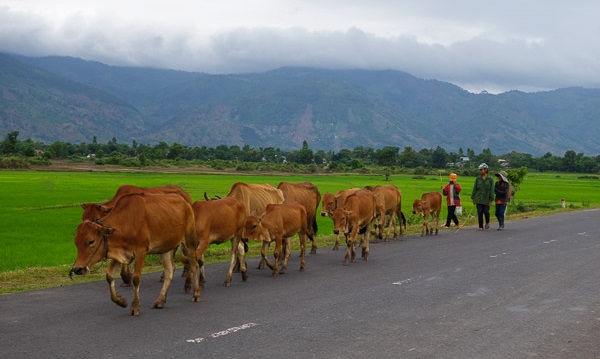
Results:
x,y
500,210
451,216
483,210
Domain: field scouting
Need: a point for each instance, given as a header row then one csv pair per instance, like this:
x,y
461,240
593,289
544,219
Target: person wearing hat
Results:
x,y
451,191
483,195
502,192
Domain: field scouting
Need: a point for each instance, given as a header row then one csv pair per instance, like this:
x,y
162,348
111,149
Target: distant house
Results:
x,y
464,159
503,163
38,152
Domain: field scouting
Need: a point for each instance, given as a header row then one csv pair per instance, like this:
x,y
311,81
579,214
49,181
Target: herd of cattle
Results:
x,y
158,220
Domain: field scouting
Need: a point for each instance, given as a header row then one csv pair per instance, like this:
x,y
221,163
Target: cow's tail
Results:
x,y
245,241
403,219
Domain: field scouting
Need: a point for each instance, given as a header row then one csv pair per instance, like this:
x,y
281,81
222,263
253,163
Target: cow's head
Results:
x,y
254,231
419,207
92,246
94,211
340,220
328,204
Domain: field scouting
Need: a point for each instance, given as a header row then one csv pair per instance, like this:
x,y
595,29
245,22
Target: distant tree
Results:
x,y
409,158
439,158
176,150
305,155
9,146
387,156
569,161
344,156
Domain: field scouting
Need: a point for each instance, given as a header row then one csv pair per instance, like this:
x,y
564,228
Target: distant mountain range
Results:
x,y
72,100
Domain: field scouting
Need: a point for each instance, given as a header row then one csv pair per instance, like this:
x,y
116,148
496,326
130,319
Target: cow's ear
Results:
x,y
83,205
109,230
254,212
349,212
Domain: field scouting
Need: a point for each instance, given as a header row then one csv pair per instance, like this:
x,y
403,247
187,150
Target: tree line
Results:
x,y
249,158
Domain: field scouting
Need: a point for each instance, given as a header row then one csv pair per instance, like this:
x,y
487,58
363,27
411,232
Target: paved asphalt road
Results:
x,y
531,291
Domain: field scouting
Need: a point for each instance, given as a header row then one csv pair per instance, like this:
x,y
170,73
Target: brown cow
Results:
x,y
356,217
308,195
388,201
330,202
279,223
139,224
429,204
218,221
94,211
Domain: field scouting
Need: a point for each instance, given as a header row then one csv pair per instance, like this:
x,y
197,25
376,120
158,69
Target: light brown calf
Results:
x,y
279,223
356,217
429,204
219,221
308,195
330,202
388,200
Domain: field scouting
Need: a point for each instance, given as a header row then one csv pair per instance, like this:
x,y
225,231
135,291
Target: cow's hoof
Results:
x,y
158,305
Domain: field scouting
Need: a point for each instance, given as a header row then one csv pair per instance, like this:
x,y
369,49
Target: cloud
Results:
x,y
477,45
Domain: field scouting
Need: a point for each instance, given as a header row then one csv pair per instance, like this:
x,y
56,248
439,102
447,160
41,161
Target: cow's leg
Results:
x,y
437,221
337,242
365,246
125,275
110,278
287,245
201,276
234,256
263,254
167,259
349,249
137,279
203,243
276,254
241,253
302,248
186,265
392,226
313,241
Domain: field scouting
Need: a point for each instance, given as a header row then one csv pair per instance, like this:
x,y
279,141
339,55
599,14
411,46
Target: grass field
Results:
x,y
40,210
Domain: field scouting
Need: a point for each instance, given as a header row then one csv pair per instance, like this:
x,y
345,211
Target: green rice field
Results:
x,y
40,211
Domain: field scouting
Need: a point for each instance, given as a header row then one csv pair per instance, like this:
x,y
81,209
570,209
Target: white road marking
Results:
x,y
550,241
403,282
223,332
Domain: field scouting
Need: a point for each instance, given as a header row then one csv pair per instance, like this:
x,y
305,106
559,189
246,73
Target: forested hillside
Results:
x,y
67,99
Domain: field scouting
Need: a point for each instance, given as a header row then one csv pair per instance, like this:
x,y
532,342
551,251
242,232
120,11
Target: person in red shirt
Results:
x,y
451,191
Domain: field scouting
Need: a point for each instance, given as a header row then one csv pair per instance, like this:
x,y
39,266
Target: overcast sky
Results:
x,y
476,44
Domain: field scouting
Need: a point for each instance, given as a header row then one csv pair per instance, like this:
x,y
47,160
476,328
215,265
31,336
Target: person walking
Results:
x,y
502,192
451,191
483,195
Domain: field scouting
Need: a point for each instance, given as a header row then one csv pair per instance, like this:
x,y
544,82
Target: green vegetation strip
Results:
x,y
40,211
